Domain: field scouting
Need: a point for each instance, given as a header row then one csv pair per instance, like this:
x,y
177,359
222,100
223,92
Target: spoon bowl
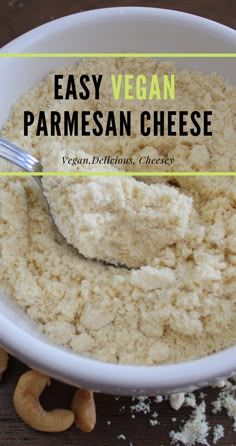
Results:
x,y
121,206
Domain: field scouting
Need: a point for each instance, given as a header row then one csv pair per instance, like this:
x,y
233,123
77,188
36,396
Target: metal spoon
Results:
x,y
20,158
27,162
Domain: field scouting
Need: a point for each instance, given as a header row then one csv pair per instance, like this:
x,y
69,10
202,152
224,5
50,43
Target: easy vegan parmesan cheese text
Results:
x,y
159,123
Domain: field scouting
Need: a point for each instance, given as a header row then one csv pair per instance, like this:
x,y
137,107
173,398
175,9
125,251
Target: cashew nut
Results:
x,y
3,361
83,406
26,401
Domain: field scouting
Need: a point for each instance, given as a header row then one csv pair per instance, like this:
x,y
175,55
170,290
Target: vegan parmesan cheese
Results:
x,y
176,301
118,220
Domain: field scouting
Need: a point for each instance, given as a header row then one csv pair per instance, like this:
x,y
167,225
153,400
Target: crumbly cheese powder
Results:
x,y
118,220
181,304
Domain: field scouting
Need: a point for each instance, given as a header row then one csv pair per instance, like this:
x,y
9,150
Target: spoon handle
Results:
x,y
19,157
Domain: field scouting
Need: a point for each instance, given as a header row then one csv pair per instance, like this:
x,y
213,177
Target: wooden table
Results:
x,y
113,415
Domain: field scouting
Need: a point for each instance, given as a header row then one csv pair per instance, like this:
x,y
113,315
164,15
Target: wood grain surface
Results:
x,y
113,415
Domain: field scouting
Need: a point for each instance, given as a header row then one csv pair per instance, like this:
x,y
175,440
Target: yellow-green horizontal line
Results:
x,y
118,174
172,55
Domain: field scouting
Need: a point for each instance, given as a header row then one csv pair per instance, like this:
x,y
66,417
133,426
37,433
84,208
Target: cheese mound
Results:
x,y
115,219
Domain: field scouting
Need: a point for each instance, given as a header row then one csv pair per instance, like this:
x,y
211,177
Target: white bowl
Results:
x,y
110,30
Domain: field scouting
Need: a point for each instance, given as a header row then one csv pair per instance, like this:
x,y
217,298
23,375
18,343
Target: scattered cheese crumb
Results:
x,y
153,422
195,430
177,400
143,405
158,399
121,437
227,400
218,433
190,400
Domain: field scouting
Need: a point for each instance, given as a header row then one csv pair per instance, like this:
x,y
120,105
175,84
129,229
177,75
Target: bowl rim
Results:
x,y
120,377
125,11
74,368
